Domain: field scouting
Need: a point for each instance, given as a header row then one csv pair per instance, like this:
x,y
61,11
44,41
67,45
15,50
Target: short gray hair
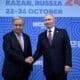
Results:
x,y
17,18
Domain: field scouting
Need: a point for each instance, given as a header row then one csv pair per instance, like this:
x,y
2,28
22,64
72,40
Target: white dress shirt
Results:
x,y
22,40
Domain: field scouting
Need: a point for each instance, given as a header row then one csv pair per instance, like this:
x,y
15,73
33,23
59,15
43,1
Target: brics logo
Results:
x,y
72,2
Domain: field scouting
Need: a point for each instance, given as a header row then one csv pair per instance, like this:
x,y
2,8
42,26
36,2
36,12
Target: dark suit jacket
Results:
x,y
14,61
57,55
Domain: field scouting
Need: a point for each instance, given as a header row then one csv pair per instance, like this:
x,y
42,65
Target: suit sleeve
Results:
x,y
39,50
10,54
68,51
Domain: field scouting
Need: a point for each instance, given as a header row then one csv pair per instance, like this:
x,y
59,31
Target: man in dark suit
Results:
x,y
17,49
54,45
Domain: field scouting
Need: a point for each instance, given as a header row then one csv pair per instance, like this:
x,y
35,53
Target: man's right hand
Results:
x,y
29,60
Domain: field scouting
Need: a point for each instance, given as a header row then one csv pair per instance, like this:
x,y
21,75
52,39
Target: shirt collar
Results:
x,y
52,29
17,34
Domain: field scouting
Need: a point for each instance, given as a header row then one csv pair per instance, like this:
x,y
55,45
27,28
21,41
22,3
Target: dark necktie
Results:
x,y
50,37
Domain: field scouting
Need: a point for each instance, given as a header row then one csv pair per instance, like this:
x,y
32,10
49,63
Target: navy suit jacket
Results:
x,y
14,61
57,55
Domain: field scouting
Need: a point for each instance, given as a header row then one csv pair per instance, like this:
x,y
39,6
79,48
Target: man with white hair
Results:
x,y
17,49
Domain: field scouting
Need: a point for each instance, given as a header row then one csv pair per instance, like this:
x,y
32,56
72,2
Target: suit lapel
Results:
x,y
16,41
46,38
24,38
56,33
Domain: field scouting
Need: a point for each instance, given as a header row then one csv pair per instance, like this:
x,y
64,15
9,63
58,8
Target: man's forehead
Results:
x,y
48,17
18,20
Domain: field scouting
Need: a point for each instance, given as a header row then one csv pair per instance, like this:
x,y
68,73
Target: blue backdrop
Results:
x,y
33,27
67,16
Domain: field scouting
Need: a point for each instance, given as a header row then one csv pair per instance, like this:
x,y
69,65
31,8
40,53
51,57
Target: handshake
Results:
x,y
29,60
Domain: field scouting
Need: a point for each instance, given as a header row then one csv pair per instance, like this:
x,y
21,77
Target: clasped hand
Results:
x,y
29,60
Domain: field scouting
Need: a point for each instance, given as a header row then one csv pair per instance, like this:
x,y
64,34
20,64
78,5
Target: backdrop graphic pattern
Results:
x,y
72,25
